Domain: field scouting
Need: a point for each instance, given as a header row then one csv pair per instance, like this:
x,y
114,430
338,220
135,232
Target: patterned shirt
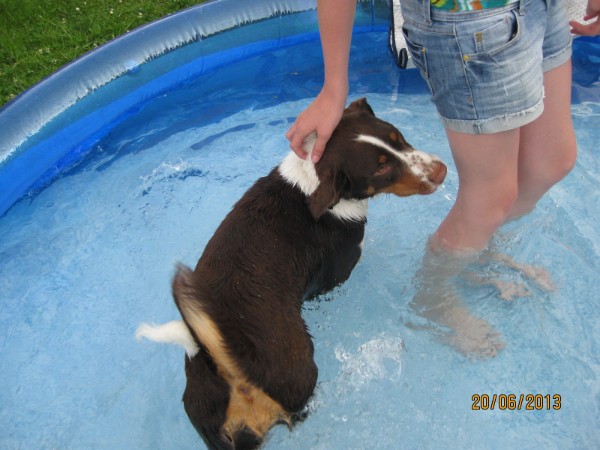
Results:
x,y
469,5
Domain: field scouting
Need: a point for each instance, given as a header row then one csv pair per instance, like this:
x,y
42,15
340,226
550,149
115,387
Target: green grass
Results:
x,y
37,37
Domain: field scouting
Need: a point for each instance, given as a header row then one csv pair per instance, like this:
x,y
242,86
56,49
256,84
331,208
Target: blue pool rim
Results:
x,y
51,126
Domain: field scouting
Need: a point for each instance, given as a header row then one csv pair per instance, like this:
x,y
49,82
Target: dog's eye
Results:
x,y
382,169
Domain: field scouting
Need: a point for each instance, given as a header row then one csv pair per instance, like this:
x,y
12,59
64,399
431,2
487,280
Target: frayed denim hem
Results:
x,y
558,59
495,124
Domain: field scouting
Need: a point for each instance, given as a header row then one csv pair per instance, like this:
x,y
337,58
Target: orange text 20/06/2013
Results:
x,y
516,402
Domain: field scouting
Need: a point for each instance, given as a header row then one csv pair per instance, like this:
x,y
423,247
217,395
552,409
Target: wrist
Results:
x,y
336,92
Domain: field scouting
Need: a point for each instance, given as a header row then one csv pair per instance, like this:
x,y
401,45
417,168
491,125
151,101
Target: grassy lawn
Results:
x,y
39,36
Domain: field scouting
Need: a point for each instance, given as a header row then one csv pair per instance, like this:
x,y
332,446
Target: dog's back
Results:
x,y
243,304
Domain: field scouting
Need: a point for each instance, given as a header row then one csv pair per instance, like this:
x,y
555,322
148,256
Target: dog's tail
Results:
x,y
189,302
250,411
175,332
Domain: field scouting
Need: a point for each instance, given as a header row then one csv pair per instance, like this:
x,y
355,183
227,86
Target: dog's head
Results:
x,y
367,156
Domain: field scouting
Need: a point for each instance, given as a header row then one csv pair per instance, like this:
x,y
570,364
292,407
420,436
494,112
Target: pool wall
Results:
x,y
51,126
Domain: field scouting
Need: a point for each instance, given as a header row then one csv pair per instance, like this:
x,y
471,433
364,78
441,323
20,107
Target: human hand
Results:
x,y
589,29
321,116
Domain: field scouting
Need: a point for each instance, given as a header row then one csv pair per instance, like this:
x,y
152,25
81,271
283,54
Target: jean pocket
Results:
x,y
419,56
497,34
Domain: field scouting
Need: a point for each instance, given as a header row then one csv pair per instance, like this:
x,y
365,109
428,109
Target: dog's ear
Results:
x,y
360,105
327,194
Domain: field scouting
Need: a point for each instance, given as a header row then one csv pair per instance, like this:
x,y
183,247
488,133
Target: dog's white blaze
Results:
x,y
174,332
415,160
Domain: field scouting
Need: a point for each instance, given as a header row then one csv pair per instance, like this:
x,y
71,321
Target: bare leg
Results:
x,y
501,276
501,176
547,150
487,166
437,300
488,174
540,276
547,153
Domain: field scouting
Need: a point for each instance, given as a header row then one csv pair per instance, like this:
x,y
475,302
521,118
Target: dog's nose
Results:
x,y
438,172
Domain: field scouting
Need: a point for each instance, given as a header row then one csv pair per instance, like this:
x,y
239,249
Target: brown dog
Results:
x,y
295,234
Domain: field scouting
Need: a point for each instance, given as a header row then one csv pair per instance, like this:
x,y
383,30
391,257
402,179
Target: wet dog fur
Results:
x,y
295,234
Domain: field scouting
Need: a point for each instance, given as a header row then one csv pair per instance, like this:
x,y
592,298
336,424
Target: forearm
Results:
x,y
336,19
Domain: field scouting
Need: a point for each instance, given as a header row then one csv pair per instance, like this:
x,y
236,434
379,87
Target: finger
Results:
x,y
577,28
289,134
292,136
319,148
590,13
591,29
296,146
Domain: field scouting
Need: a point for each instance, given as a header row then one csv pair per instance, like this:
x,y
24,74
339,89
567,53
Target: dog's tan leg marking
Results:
x,y
249,406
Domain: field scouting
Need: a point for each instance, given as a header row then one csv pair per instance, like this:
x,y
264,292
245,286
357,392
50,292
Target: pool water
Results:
x,y
87,259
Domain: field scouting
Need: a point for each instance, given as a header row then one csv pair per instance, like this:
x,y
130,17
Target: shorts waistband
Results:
x,y
423,9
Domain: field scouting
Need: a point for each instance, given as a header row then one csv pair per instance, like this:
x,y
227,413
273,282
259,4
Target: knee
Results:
x,y
568,162
505,204
500,206
561,165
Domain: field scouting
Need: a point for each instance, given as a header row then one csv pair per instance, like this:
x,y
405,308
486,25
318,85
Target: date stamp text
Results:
x,y
516,402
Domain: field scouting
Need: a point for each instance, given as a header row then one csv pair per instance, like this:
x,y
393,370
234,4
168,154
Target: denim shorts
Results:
x,y
485,68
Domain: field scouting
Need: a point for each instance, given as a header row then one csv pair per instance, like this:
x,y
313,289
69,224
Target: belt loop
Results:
x,y
427,12
521,7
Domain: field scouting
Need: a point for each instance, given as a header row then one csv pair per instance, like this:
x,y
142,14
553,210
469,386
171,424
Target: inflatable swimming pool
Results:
x,y
125,163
